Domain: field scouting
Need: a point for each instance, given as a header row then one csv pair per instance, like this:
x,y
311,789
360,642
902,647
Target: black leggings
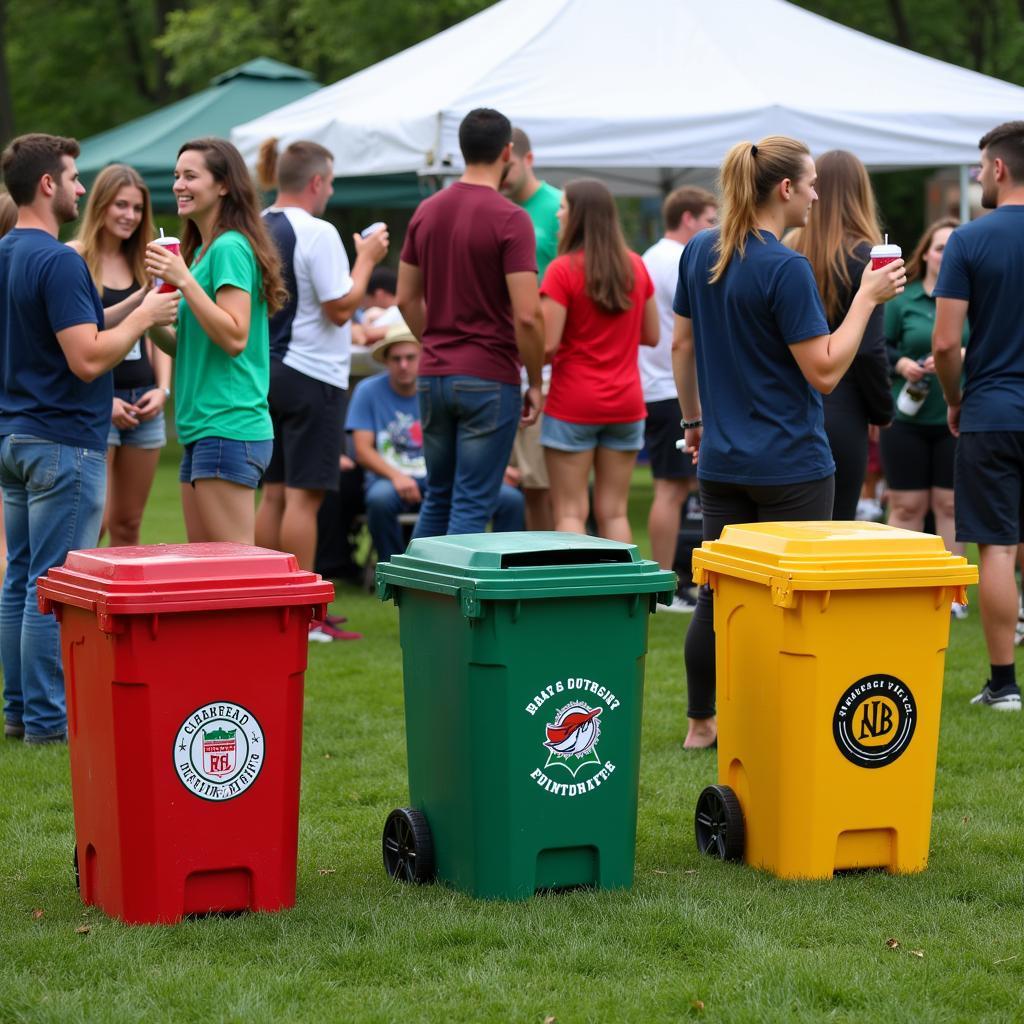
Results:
x,y
723,505
847,430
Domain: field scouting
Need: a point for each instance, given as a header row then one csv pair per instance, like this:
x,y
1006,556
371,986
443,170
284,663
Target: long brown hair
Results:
x,y
915,265
745,181
592,225
843,217
239,211
104,191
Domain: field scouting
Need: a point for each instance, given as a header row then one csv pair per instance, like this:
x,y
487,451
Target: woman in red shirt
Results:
x,y
599,306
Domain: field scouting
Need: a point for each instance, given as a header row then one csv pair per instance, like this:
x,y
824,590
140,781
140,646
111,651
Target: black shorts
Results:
x,y
918,456
989,489
661,431
309,430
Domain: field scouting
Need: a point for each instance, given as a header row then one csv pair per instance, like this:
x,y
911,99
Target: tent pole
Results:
x,y
965,193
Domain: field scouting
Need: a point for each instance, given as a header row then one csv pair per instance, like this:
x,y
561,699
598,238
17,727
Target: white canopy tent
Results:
x,y
640,92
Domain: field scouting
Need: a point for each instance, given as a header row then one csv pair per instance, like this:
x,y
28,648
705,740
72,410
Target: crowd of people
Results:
x,y
525,357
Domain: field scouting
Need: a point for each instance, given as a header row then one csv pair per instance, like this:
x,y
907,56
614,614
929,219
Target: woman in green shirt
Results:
x,y
230,280
918,449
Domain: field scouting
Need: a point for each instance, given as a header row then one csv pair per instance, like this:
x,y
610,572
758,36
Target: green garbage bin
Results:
x,y
523,660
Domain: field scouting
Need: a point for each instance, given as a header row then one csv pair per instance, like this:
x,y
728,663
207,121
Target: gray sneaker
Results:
x,y
1006,699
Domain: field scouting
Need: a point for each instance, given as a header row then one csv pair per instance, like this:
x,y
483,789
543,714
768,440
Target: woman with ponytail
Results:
x,y
753,354
838,240
229,274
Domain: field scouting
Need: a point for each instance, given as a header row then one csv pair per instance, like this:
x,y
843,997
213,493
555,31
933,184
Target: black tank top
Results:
x,y
136,371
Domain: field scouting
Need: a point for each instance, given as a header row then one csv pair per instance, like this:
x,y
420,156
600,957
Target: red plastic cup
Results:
x,y
174,246
882,255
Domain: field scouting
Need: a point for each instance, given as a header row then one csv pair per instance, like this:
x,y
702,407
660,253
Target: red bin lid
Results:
x,y
179,578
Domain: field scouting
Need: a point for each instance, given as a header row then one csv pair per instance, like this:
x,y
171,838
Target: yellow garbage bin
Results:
x,y
830,640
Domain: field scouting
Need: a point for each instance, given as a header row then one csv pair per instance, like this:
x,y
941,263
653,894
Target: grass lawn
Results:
x,y
694,939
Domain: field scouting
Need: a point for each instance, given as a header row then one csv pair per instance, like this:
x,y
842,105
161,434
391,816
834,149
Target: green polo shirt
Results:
x,y
542,207
217,395
909,322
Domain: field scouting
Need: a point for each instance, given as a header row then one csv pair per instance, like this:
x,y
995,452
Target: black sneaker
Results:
x,y
13,730
1006,699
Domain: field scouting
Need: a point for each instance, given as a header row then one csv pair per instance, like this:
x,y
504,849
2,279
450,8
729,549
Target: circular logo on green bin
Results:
x,y
874,721
218,752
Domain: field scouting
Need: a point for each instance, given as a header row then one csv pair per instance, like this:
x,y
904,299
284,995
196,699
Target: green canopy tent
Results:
x,y
150,143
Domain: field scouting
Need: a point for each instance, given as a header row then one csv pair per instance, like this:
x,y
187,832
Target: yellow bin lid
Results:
x,y
792,557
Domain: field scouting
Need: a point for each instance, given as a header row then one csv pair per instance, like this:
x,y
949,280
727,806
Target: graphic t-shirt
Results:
x,y
394,420
594,375
662,262
316,270
45,287
909,322
983,263
465,239
763,423
217,395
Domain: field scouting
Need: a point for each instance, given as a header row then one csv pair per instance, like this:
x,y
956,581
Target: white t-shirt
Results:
x,y
662,262
318,348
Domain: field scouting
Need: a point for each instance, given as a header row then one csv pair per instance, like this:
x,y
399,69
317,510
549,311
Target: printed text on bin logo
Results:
x,y
874,721
571,732
218,752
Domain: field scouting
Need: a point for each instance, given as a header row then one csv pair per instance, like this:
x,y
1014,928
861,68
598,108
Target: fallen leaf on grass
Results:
x,y
83,929
893,943
657,872
967,818
918,953
690,871
697,1004
1005,960
550,1020
37,914
326,871
327,757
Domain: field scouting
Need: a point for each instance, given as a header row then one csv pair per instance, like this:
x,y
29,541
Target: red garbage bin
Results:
x,y
184,667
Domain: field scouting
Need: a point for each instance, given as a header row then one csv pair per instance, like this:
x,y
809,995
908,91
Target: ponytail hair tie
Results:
x,y
753,150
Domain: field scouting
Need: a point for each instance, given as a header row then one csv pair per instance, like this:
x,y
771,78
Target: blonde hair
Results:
x,y
8,213
746,179
104,191
844,217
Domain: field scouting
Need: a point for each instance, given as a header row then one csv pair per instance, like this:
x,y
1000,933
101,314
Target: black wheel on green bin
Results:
x,y
718,824
408,847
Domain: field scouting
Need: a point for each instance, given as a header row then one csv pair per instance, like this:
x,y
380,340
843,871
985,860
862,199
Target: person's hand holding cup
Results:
x,y
885,276
165,265
160,307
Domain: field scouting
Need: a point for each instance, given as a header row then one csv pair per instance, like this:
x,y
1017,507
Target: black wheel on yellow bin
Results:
x,y
408,847
718,824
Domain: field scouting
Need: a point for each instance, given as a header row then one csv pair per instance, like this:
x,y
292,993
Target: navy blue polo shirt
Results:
x,y
45,287
763,423
983,263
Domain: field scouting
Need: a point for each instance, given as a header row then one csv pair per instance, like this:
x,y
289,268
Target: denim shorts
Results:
x,y
220,458
148,434
584,437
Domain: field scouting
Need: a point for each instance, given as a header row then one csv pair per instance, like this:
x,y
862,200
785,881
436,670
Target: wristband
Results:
x,y
167,392
691,424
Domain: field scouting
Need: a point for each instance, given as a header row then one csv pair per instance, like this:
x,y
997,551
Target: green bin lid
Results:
x,y
477,567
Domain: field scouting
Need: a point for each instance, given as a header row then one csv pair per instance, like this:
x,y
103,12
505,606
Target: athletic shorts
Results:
x,y
918,456
309,430
584,437
989,487
661,431
221,458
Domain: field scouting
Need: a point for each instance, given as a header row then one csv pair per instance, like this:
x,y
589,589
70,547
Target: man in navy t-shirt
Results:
x,y
980,281
56,395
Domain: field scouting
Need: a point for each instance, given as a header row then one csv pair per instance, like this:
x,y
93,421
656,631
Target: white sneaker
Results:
x,y
679,604
869,511
318,636
958,611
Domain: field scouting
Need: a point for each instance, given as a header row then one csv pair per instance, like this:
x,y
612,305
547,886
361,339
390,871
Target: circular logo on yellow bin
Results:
x,y
874,721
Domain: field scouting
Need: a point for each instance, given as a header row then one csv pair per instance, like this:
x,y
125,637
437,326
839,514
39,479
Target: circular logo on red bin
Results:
x,y
874,721
218,752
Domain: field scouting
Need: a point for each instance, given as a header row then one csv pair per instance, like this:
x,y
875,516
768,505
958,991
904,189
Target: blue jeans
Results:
x,y
53,504
469,425
383,506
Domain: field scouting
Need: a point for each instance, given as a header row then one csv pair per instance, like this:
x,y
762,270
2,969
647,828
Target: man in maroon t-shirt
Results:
x,y
467,288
